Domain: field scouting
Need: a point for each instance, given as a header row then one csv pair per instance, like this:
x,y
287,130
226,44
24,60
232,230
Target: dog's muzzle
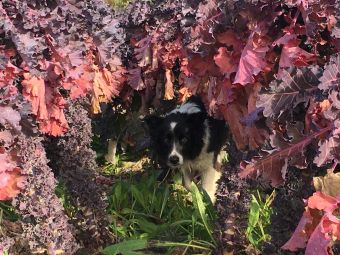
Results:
x,y
175,161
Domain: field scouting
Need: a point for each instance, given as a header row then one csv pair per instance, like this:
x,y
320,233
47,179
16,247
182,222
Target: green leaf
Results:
x,y
130,247
157,243
200,207
117,197
148,227
165,200
254,214
253,238
138,196
118,190
259,218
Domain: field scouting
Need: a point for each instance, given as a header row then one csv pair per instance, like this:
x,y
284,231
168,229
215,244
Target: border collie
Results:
x,y
188,139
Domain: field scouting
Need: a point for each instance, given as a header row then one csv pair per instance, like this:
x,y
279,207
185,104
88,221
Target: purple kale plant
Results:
x,y
74,162
45,226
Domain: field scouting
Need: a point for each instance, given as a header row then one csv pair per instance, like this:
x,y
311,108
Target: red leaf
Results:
x,y
105,86
331,225
226,94
273,165
135,79
169,86
202,66
253,92
318,228
323,202
331,75
232,114
34,91
6,137
329,148
295,86
184,94
184,67
10,184
225,61
299,238
235,110
7,75
47,105
75,56
6,162
252,59
202,34
206,10
170,52
9,116
292,54
11,180
230,38
318,242
143,51
191,83
189,86
56,123
81,86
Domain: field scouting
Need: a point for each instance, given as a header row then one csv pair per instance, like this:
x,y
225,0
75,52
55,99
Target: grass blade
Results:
x,y
165,200
177,244
130,247
199,205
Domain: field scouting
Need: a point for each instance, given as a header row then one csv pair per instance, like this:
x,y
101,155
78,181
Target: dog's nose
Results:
x,y
174,159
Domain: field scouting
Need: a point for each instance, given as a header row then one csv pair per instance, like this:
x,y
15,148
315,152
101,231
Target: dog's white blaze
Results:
x,y
173,125
188,108
174,152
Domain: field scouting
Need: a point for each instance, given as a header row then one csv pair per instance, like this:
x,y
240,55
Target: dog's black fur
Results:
x,y
187,138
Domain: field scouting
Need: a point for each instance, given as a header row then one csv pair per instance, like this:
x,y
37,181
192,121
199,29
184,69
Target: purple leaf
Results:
x,y
296,86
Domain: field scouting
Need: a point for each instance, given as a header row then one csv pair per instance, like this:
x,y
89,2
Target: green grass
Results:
x,y
100,150
119,3
149,217
123,3
159,217
113,169
259,219
65,199
7,212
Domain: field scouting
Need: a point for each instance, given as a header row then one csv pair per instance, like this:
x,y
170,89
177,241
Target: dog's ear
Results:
x,y
153,121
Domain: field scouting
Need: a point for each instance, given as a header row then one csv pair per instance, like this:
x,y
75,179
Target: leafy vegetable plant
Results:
x,y
319,226
270,69
259,218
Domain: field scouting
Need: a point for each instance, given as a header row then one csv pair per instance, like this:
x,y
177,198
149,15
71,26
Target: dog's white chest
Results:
x,y
209,175
202,163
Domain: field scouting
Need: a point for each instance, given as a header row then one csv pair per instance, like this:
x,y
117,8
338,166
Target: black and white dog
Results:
x,y
188,139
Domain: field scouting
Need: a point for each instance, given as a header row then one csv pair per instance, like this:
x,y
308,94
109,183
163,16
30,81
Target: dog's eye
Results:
x,y
183,140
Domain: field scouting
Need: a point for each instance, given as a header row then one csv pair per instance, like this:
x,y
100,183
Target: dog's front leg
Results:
x,y
186,179
209,182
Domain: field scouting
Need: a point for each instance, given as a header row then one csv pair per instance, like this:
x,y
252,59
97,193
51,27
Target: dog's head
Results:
x,y
177,136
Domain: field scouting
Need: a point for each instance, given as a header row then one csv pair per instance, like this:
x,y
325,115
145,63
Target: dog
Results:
x,y
187,138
